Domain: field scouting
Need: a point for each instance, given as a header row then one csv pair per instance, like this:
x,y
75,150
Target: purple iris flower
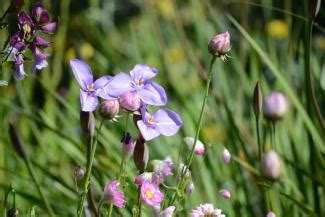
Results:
x,y
90,90
163,121
150,93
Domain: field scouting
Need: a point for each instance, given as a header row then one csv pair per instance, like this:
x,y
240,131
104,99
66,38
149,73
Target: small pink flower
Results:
x,y
190,188
113,195
225,194
165,166
150,194
143,177
130,101
199,147
276,105
270,214
226,156
168,212
219,45
206,210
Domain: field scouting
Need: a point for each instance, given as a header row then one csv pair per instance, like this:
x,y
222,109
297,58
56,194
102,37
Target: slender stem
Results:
x,y
110,210
92,147
273,143
100,206
39,189
139,204
260,147
189,160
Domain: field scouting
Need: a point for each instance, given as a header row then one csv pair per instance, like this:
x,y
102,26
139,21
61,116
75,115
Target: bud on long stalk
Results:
x,y
141,154
257,100
17,142
87,123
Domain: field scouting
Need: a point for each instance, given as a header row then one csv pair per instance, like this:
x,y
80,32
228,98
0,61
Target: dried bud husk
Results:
x,y
257,100
314,6
141,154
13,212
17,142
87,124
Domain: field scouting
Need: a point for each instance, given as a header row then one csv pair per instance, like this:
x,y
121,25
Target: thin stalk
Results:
x,y
93,146
259,142
273,143
188,162
39,189
110,210
100,206
139,204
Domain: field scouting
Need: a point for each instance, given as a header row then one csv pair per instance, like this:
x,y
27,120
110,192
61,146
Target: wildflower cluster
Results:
x,y
29,35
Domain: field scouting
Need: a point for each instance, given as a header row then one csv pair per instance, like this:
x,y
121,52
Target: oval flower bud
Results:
x,y
109,109
141,154
79,173
225,194
272,166
257,99
127,144
130,101
219,45
190,188
87,123
199,147
270,214
225,156
276,106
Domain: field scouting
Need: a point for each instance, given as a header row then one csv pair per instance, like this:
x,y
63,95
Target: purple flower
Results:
x,y
90,90
19,66
143,177
225,194
128,145
113,195
163,121
150,194
150,93
41,18
165,166
39,59
206,210
168,212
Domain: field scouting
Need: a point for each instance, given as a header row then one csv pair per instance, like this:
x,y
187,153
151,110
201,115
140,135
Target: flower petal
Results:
x,y
119,84
143,72
39,14
167,121
50,27
147,132
100,87
153,94
88,102
82,73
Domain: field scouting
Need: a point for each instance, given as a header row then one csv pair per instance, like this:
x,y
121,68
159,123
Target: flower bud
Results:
x,y
190,188
13,212
314,6
143,177
272,166
219,46
270,214
199,147
79,173
127,145
181,169
257,100
130,101
141,154
225,156
109,109
87,123
17,142
276,106
225,194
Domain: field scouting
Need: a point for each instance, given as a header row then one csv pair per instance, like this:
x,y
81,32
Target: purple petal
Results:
x,y
82,73
39,14
50,27
147,132
119,84
16,42
167,121
143,72
88,102
40,42
24,18
153,94
100,87
39,64
38,55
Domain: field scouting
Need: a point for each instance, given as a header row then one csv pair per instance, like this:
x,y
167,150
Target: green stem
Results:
x,y
139,204
188,162
110,210
39,189
93,145
260,147
273,143
100,206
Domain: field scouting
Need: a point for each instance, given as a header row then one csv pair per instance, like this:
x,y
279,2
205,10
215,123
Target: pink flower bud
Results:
x,y
130,101
79,173
109,109
128,145
225,194
199,147
226,156
276,105
190,189
113,195
219,46
272,165
270,214
180,171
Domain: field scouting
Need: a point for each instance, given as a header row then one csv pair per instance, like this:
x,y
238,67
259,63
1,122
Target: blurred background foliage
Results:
x,y
171,35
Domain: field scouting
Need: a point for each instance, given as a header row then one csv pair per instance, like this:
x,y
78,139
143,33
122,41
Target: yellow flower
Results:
x,y
86,51
277,29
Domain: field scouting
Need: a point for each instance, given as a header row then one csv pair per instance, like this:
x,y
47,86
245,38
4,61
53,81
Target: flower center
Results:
x,y
27,29
150,120
149,194
138,82
91,88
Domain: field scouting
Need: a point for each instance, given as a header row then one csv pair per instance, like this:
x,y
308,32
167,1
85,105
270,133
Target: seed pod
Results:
x,y
17,142
87,123
257,99
141,154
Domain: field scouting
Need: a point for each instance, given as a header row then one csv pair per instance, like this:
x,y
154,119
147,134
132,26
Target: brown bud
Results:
x,y
141,154
257,100
17,142
87,123
314,6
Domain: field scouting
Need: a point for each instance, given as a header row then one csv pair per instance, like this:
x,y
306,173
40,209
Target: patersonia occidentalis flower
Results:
x,y
199,147
163,121
150,194
219,45
275,107
206,210
113,195
90,89
149,92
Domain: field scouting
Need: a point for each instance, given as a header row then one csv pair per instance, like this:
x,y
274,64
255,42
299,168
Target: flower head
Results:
x,y
163,121
149,92
113,195
219,45
150,194
206,210
90,89
109,109
276,105
41,19
199,147
165,166
130,101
